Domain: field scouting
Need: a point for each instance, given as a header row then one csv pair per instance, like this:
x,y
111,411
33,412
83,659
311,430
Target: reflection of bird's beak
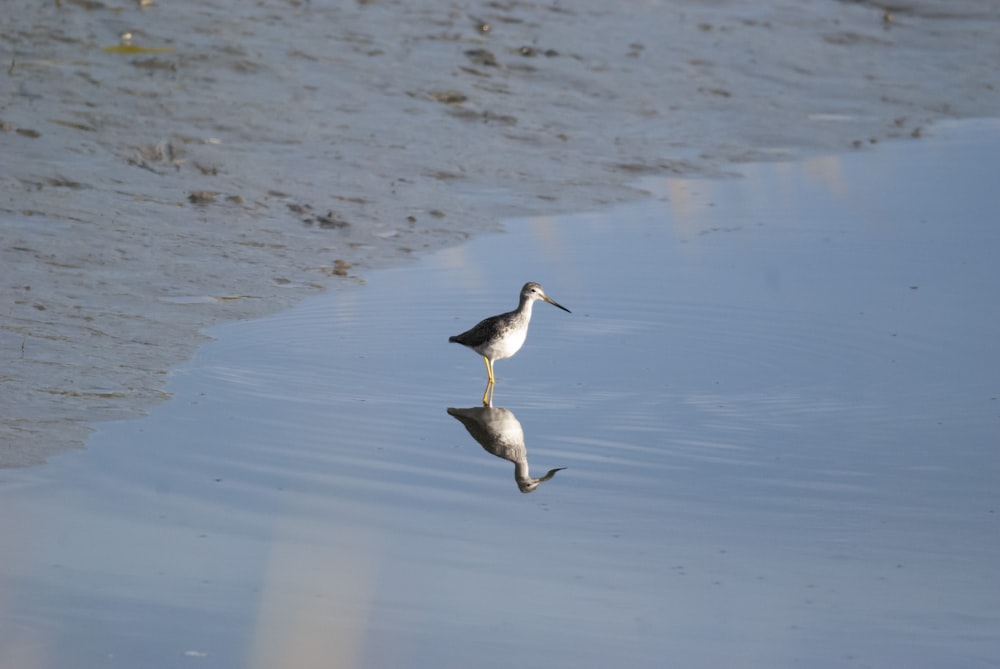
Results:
x,y
552,472
555,304
529,484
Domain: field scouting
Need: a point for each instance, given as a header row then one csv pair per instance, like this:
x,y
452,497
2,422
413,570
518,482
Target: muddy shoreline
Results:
x,y
234,160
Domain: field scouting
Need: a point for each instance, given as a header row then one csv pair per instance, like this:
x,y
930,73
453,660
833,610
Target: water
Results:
x,y
775,402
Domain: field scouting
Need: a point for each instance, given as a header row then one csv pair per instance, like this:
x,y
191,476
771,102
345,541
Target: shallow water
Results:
x,y
775,402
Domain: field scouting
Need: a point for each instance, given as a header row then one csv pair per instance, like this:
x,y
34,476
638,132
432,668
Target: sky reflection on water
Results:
x,y
775,403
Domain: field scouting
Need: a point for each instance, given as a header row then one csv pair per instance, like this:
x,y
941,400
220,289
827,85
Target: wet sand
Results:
x,y
239,159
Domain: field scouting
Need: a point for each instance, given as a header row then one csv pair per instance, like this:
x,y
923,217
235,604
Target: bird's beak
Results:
x,y
555,304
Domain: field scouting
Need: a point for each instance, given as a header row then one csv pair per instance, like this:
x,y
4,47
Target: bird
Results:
x,y
501,336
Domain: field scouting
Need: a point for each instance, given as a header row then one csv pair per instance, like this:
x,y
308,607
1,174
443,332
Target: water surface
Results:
x,y
775,401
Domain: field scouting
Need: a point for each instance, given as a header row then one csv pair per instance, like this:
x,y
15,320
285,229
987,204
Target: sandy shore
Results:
x,y
236,159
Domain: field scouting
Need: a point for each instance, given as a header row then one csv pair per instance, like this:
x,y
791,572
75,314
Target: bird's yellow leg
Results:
x,y
488,393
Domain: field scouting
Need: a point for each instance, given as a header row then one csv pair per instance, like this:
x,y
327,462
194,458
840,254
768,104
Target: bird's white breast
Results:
x,y
507,345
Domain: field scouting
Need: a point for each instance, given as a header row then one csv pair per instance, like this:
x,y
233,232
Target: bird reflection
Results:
x,y
499,432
